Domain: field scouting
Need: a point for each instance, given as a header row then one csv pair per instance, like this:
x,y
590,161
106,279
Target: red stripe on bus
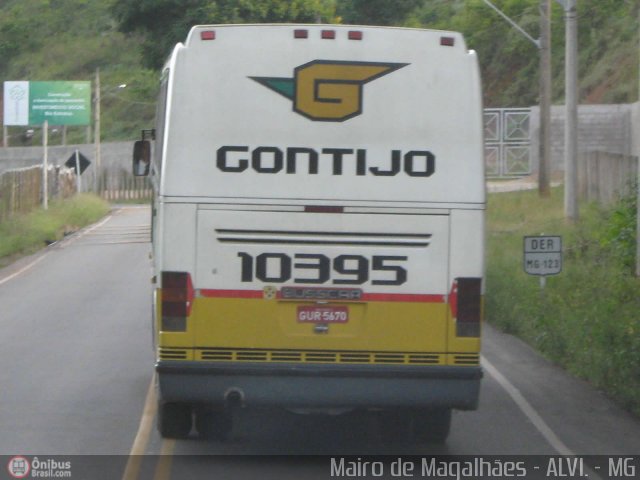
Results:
x,y
232,293
367,297
403,297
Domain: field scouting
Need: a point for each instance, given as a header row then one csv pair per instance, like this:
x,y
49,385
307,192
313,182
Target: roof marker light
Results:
x,y
328,34
447,41
355,35
300,33
208,35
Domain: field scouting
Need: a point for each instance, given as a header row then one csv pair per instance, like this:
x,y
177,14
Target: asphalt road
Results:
x,y
76,378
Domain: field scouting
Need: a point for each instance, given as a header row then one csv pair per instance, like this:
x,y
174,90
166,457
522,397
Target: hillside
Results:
x,y
607,47
69,40
127,41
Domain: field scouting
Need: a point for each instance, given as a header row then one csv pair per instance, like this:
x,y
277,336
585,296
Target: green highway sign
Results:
x,y
59,103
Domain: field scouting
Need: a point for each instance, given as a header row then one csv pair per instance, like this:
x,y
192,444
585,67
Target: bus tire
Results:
x,y
214,424
174,419
432,425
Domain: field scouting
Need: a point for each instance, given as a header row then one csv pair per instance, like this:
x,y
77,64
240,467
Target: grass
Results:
x,y
25,234
586,319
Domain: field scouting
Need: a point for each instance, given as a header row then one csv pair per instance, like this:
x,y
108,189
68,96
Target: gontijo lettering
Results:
x,y
337,161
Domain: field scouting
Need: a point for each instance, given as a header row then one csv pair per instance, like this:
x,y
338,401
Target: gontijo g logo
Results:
x,y
329,91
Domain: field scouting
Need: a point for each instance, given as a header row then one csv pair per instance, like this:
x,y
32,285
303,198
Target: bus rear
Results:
x,y
318,225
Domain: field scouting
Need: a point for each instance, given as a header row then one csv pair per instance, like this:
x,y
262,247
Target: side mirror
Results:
x,y
141,158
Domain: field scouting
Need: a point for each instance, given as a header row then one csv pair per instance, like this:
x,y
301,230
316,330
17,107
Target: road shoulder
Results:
x,y
586,420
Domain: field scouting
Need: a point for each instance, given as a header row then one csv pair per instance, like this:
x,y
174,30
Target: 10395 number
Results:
x,y
315,268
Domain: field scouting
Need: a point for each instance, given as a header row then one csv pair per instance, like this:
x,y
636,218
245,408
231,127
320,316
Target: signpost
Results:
x,y
543,256
80,163
47,103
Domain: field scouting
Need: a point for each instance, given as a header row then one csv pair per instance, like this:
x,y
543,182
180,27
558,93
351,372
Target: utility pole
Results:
x,y
544,45
638,186
544,168
96,138
571,212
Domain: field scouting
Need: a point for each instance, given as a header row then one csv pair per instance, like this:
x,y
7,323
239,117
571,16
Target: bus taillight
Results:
x,y
468,306
176,297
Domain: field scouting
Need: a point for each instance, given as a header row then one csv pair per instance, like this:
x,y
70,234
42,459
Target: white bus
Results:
x,y
318,225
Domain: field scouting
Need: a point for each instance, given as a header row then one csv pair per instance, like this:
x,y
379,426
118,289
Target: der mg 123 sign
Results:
x,y
543,255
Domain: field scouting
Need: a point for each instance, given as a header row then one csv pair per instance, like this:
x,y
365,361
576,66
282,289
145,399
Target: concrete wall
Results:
x,y
113,156
603,128
635,129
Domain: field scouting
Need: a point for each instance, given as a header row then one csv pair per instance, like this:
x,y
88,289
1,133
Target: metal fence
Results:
x,y
119,185
21,188
602,176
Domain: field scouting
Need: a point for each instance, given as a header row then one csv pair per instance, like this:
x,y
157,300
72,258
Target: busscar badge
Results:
x,y
269,292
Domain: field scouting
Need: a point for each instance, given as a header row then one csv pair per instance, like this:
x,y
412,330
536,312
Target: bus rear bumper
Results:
x,y
320,386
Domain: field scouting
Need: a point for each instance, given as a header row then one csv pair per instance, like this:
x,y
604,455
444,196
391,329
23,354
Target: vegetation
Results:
x,y
163,24
128,41
586,318
24,234
608,45
608,36
69,40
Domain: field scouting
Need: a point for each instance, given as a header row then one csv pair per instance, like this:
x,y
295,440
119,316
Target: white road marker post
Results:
x,y
45,165
78,177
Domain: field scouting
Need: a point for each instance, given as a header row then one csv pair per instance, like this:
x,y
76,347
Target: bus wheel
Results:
x,y
395,426
174,419
432,425
214,424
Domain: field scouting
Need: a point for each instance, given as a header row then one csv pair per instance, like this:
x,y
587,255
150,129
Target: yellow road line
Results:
x,y
163,468
141,441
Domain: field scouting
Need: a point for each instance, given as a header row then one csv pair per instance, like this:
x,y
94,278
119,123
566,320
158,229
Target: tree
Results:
x,y
377,12
163,23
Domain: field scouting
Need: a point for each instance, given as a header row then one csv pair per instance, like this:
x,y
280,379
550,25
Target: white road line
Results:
x,y
90,229
23,269
534,416
44,255
527,409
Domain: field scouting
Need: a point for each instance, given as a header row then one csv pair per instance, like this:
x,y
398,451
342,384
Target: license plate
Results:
x,y
330,314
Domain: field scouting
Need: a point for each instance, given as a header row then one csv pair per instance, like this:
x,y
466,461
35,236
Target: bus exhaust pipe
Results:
x,y
234,398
